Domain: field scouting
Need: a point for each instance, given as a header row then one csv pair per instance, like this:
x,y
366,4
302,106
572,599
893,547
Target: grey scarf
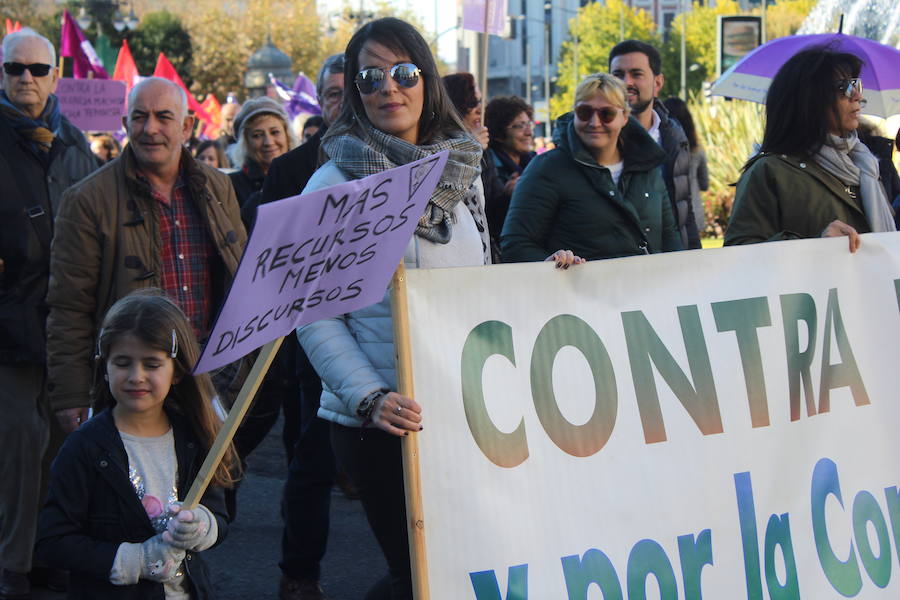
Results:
x,y
377,151
850,160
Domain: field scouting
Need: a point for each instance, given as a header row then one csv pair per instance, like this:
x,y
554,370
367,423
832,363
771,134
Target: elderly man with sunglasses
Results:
x,y
41,154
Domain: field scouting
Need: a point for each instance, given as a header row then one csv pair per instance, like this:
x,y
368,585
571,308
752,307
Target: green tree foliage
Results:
x,y
783,18
597,28
226,34
162,32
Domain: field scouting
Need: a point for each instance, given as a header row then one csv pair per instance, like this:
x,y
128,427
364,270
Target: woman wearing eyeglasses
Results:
x,y
812,177
510,123
599,193
395,111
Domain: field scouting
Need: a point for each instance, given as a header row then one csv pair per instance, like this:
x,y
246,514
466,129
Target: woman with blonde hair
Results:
x,y
263,135
599,193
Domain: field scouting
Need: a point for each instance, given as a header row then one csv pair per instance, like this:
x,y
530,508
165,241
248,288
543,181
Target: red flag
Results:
x,y
126,70
214,110
166,70
74,45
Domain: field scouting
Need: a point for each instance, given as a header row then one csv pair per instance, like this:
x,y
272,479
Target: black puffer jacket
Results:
x,y
30,188
677,174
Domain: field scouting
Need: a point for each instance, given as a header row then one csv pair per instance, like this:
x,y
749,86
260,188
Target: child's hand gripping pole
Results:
x,y
232,422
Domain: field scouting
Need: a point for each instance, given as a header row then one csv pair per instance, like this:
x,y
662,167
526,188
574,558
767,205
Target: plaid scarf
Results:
x,y
41,131
378,151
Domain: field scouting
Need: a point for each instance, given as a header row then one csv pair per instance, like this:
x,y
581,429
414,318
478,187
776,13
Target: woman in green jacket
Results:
x,y
812,177
599,193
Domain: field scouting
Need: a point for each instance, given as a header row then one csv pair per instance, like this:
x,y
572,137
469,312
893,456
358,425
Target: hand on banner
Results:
x,y
396,414
71,419
838,228
564,258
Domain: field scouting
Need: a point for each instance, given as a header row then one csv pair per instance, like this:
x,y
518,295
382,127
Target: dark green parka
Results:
x,y
781,197
566,201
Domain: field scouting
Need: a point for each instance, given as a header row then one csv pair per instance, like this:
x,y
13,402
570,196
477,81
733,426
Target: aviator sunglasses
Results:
x,y
850,86
607,114
369,81
16,69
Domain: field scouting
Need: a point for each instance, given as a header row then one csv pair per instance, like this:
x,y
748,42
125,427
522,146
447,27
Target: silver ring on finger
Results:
x,y
398,409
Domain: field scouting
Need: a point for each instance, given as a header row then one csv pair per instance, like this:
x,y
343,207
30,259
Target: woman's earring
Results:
x,y
106,377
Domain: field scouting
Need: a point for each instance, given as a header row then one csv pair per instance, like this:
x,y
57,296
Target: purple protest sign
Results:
x,y
319,255
92,104
474,16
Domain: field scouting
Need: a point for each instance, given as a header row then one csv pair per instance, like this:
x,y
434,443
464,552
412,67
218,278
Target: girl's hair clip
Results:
x,y
99,354
174,351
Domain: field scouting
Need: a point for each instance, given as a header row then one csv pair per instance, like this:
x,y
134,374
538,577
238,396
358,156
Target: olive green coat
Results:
x,y
782,197
566,201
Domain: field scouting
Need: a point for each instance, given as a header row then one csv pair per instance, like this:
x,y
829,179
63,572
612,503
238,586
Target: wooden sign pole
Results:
x,y
231,424
415,516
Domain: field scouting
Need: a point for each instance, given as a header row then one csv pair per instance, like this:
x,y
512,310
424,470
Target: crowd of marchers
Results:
x,y
110,277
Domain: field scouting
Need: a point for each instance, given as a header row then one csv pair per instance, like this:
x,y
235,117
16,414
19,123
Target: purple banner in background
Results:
x,y
474,16
320,255
92,104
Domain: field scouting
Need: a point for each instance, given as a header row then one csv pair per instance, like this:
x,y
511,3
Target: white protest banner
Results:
x,y
322,254
92,104
717,424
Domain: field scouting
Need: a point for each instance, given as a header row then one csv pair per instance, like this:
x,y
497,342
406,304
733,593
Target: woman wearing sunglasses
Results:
x,y
599,193
395,111
812,177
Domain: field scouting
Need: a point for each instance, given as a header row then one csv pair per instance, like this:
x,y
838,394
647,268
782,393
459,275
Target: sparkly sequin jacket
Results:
x,y
92,507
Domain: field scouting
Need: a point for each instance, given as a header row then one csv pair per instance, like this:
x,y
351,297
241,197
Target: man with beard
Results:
x,y
153,217
639,65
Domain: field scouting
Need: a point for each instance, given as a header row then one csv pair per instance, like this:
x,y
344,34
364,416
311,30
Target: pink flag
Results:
x,y
73,44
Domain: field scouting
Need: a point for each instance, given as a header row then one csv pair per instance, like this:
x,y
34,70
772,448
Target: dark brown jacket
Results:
x,y
106,245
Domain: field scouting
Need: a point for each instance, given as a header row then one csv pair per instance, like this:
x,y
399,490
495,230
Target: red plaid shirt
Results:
x,y
186,251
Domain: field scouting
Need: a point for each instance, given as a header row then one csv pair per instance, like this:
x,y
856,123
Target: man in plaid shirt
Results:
x,y
154,217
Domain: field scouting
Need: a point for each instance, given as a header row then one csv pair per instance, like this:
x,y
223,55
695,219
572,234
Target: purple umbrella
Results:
x,y
749,79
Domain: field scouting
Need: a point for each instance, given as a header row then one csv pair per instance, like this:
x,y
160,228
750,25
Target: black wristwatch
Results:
x,y
365,408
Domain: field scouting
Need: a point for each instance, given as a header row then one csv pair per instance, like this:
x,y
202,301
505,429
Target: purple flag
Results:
x,y
320,255
474,16
301,99
73,44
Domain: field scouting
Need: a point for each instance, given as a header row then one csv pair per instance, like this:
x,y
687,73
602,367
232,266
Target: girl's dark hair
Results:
x,y
802,100
501,112
678,108
461,89
438,119
224,163
152,318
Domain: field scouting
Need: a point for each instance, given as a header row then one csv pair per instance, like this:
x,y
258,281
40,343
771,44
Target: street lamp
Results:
x,y
100,8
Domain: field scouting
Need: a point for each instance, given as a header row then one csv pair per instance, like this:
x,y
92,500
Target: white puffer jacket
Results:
x,y
354,353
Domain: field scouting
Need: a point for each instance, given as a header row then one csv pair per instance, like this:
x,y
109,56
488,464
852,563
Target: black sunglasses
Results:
x,y
16,69
369,81
607,114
